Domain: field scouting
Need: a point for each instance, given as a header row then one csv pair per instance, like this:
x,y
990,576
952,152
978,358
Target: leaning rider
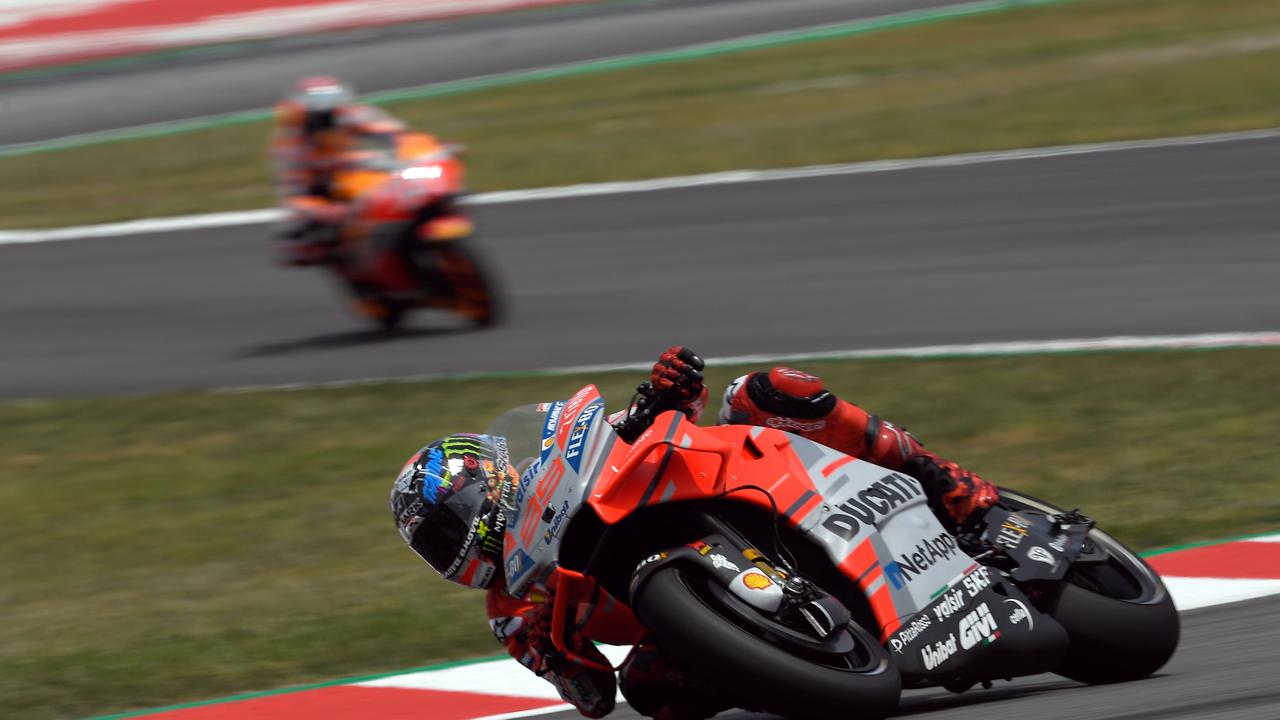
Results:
x,y
320,132
449,488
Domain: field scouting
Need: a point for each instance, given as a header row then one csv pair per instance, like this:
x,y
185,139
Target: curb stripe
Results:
x,y
746,43
501,197
1194,592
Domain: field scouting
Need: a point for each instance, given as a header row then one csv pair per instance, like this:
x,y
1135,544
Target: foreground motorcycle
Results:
x,y
800,581
406,242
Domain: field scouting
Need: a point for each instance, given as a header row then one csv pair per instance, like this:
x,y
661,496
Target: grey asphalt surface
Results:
x,y
1225,669
1173,240
254,75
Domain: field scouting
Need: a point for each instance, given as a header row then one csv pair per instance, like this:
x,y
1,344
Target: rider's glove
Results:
x,y
679,371
590,691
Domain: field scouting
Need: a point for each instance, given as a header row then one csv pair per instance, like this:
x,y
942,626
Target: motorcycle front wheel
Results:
x,y
1120,617
689,620
473,290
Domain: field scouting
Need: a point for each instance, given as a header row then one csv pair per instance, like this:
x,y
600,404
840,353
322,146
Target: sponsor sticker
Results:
x,y
578,436
786,423
1012,531
919,624
1020,613
505,627
926,554
556,522
939,652
949,604
756,581
978,628
870,504
567,417
651,559
977,581
1039,554
721,562
518,564
549,428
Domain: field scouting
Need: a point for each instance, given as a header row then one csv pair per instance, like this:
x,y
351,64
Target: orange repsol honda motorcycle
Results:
x,y
405,242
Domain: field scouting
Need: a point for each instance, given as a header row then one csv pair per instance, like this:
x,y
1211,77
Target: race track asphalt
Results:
x,y
1156,241
1225,669
254,75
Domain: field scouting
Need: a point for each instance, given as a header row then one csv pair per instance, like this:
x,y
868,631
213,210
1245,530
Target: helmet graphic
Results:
x,y
445,506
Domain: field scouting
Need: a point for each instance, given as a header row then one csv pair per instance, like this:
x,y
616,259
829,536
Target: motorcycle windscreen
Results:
x,y
555,446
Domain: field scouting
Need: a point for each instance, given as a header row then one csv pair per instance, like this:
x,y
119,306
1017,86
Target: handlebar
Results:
x,y
630,427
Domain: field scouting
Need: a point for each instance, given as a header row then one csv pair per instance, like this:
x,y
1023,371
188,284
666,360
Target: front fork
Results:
x,y
756,588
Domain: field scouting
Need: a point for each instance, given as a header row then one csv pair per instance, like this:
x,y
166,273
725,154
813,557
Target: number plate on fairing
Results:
x,y
551,489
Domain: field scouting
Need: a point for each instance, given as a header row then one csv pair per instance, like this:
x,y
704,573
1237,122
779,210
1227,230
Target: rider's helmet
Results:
x,y
446,506
321,99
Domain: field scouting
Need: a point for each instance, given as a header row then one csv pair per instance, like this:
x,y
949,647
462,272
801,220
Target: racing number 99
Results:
x,y
532,515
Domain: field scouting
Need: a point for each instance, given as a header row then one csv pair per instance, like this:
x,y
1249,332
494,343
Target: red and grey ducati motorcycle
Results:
x,y
800,581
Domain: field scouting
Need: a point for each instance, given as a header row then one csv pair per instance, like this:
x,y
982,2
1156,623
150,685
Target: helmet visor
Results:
x,y
449,534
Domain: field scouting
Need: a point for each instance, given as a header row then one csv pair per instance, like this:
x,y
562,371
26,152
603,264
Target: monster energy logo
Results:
x,y
463,445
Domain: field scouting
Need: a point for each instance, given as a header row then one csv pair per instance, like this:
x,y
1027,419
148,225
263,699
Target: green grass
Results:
x,y
1084,71
164,549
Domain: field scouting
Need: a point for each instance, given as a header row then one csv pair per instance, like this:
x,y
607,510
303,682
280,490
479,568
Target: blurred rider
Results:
x,y
445,506
320,131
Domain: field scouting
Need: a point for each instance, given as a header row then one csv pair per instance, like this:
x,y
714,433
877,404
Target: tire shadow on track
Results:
x,y
346,339
936,699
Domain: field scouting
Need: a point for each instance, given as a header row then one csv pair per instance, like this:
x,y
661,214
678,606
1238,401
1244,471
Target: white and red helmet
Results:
x,y
321,98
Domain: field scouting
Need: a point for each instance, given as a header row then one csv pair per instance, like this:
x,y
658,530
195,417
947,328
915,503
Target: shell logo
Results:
x,y
756,581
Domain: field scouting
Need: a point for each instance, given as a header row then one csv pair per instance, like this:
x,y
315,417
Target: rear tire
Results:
x,y
1120,617
754,673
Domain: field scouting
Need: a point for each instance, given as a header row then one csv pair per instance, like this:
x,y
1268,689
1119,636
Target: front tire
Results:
x,y
675,605
1120,617
475,296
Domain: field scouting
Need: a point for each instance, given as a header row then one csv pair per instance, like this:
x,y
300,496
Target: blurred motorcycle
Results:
x,y
806,583
404,242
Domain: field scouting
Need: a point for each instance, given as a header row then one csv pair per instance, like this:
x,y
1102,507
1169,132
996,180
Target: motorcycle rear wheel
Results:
x,y
676,606
1120,617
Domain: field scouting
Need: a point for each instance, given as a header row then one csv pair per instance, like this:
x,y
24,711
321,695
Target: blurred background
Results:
x,y
212,362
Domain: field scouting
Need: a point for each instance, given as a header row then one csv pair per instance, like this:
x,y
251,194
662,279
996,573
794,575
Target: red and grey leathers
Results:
x,y
796,401
782,398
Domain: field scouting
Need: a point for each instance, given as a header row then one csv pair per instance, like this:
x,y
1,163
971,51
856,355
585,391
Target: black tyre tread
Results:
x,y
734,659
1112,640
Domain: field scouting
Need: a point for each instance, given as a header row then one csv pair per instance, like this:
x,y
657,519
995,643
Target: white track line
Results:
x,y
1024,347
257,217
